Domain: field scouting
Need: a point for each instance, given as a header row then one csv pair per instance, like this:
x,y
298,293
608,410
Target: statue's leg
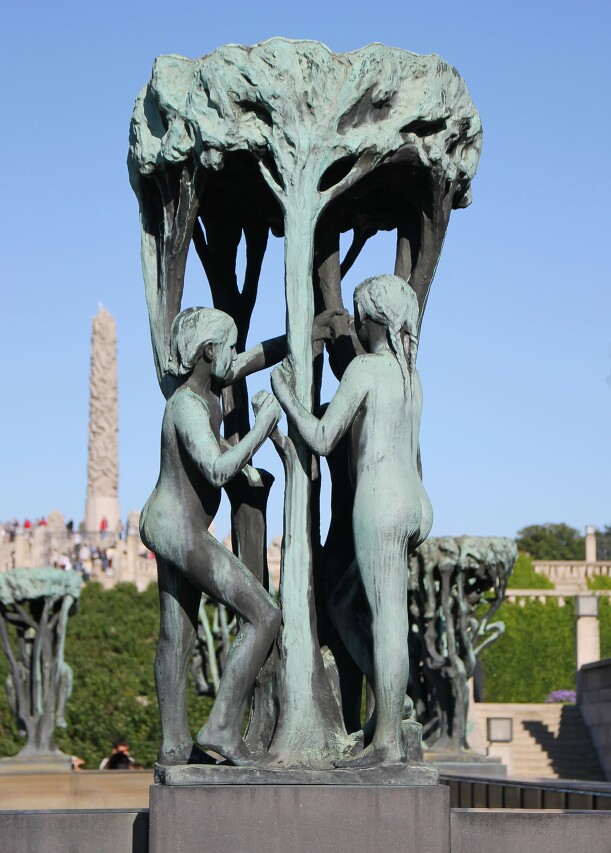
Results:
x,y
64,691
221,576
383,569
350,617
179,604
385,582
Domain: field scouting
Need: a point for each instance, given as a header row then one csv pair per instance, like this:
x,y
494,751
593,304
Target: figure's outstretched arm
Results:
x,y
322,435
265,354
271,352
192,422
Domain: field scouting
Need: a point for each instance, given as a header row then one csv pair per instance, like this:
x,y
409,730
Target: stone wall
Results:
x,y
594,701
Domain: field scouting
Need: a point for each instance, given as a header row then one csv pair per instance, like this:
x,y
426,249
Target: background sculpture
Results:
x,y
34,609
456,587
290,138
216,630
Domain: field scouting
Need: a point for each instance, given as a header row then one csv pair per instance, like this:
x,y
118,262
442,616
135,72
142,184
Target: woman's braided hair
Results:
x,y
391,302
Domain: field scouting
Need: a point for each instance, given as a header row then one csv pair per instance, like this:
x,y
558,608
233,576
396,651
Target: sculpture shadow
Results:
x,y
571,751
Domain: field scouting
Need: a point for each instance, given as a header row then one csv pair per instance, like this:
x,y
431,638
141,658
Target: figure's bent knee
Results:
x,y
272,619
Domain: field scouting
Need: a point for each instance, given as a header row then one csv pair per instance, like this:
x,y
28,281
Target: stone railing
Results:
x,y
572,570
521,596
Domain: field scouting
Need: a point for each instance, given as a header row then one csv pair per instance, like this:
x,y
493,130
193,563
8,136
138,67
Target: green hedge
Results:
x,y
599,582
110,646
524,575
535,655
604,616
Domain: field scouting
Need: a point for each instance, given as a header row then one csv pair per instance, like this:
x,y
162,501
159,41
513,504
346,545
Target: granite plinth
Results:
x,y
293,818
55,762
210,774
476,769
467,764
84,831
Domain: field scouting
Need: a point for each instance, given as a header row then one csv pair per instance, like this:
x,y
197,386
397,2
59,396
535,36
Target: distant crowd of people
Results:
x,y
8,529
70,549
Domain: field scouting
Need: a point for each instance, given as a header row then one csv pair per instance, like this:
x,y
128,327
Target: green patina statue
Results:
x,y
175,522
195,464
35,605
379,403
289,139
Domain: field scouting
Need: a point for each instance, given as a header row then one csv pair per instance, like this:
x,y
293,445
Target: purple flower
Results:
x,y
562,696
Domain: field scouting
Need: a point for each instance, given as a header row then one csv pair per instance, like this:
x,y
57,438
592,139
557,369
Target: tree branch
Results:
x,y
8,651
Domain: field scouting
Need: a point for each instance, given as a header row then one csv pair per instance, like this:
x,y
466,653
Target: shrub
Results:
x,y
599,582
524,575
604,619
535,654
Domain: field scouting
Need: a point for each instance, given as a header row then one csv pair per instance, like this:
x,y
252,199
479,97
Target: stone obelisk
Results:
x,y
103,453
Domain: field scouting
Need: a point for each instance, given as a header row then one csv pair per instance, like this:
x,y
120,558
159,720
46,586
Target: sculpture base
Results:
x,y
55,762
210,774
476,769
467,763
293,818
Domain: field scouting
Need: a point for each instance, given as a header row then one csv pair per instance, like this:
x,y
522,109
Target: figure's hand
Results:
x,y
340,325
322,327
267,411
283,382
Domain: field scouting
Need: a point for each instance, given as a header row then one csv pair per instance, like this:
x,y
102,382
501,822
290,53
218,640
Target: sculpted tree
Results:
x,y
289,137
456,587
34,608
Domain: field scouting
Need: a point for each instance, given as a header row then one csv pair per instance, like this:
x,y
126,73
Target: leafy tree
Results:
x,y
603,544
551,542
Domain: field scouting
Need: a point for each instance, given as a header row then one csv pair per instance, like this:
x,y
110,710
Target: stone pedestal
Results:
x,y
492,769
590,544
295,818
467,763
55,762
587,640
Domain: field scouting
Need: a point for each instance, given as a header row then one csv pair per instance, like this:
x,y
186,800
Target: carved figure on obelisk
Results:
x,y
103,452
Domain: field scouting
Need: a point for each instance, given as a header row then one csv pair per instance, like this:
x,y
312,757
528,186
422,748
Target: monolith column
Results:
x,y
103,452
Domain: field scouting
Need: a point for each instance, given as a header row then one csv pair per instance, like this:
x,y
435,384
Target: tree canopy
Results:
x,y
551,542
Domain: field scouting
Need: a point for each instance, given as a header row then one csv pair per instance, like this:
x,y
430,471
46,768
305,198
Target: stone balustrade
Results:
x,y
572,570
521,596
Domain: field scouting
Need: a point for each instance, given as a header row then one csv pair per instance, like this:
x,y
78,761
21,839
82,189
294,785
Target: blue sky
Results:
x,y
515,353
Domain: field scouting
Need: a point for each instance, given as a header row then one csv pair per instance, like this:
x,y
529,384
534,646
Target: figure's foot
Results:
x,y
369,729
186,753
233,749
371,757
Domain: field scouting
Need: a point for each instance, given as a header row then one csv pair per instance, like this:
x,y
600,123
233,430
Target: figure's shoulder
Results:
x,y
184,400
360,363
359,369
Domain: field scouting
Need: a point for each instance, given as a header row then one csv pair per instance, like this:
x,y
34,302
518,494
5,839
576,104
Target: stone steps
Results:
x,y
549,741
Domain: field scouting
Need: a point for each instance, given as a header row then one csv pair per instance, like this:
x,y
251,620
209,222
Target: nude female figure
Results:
x,y
195,465
378,403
